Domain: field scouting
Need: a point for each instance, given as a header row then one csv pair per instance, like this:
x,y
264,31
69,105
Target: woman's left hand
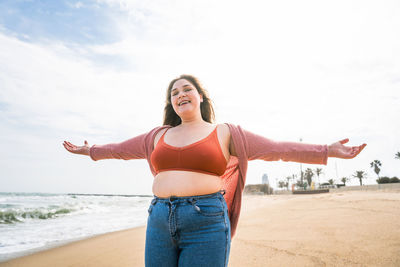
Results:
x,y
338,150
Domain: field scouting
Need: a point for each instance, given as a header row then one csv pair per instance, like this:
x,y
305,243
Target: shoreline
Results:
x,y
56,244
75,252
352,228
33,222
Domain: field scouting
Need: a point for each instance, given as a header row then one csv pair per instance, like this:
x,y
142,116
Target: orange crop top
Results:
x,y
204,156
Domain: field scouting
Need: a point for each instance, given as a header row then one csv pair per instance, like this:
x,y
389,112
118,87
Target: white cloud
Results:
x,y
78,5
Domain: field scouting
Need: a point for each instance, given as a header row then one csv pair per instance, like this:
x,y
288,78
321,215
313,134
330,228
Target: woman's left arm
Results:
x,y
339,150
259,147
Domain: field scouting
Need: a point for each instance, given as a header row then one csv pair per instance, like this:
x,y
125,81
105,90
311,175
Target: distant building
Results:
x,y
265,179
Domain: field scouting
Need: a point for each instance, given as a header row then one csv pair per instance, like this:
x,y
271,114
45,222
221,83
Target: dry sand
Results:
x,y
356,228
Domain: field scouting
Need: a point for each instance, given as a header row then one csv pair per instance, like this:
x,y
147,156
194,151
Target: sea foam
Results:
x,y
35,221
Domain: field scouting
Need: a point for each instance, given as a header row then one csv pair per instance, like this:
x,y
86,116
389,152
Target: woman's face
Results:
x,y
185,98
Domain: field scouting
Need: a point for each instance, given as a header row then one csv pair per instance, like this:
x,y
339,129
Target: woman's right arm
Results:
x,y
133,148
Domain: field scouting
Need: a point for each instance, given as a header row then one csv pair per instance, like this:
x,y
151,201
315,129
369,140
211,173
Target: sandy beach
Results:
x,y
354,228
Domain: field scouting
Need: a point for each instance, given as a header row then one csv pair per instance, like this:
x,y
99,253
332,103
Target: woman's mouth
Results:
x,y
184,102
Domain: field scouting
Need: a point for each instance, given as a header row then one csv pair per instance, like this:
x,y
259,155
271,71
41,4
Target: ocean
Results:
x,y
32,222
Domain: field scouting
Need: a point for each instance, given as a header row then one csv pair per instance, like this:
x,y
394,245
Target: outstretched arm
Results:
x,y
259,147
139,147
133,148
339,150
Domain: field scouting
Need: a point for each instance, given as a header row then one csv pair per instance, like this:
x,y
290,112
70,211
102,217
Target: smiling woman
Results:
x,y
199,173
188,84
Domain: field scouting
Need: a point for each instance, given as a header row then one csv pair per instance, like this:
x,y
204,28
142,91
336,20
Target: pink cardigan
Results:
x,y
249,146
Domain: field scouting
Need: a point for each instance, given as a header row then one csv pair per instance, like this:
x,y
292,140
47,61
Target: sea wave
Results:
x,y
37,220
17,216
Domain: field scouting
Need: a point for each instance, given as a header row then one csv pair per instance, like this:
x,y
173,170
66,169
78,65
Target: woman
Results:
x,y
199,173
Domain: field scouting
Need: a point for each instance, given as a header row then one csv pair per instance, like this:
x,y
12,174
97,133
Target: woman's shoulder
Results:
x,y
224,132
228,127
223,128
159,131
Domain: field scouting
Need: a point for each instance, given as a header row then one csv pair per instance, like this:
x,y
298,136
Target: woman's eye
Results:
x,y
185,90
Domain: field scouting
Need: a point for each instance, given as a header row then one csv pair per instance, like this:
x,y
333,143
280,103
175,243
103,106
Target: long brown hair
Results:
x,y
206,107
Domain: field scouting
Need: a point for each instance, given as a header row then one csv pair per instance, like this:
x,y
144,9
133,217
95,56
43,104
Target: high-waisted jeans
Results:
x,y
188,232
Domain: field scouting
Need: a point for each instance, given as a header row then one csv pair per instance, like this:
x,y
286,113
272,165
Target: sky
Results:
x,y
98,70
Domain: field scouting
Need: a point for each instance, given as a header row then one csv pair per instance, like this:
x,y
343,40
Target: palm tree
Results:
x,y
318,171
397,156
344,180
376,164
360,175
309,174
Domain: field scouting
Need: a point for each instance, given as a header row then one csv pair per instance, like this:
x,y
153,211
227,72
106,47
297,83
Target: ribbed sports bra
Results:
x,y
203,156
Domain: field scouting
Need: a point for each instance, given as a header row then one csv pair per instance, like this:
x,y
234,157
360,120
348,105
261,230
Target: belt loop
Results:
x,y
222,191
171,199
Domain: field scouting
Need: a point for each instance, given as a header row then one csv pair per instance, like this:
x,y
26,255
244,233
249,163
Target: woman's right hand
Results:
x,y
82,150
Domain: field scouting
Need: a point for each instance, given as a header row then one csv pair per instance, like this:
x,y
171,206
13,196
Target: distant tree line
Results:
x,y
387,180
308,175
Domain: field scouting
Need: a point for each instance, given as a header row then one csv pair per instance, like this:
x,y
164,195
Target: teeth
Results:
x,y
183,102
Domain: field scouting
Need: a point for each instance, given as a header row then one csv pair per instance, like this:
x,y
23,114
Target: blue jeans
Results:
x,y
188,232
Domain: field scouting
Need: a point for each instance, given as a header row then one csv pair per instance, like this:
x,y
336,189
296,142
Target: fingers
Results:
x,y
344,141
360,148
76,149
357,149
68,146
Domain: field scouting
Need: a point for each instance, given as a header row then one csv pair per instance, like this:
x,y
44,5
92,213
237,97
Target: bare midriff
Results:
x,y
185,183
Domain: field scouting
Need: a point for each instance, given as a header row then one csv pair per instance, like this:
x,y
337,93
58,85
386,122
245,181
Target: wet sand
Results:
x,y
354,228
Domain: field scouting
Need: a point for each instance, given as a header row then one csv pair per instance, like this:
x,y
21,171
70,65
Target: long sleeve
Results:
x,y
134,148
259,147
139,147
